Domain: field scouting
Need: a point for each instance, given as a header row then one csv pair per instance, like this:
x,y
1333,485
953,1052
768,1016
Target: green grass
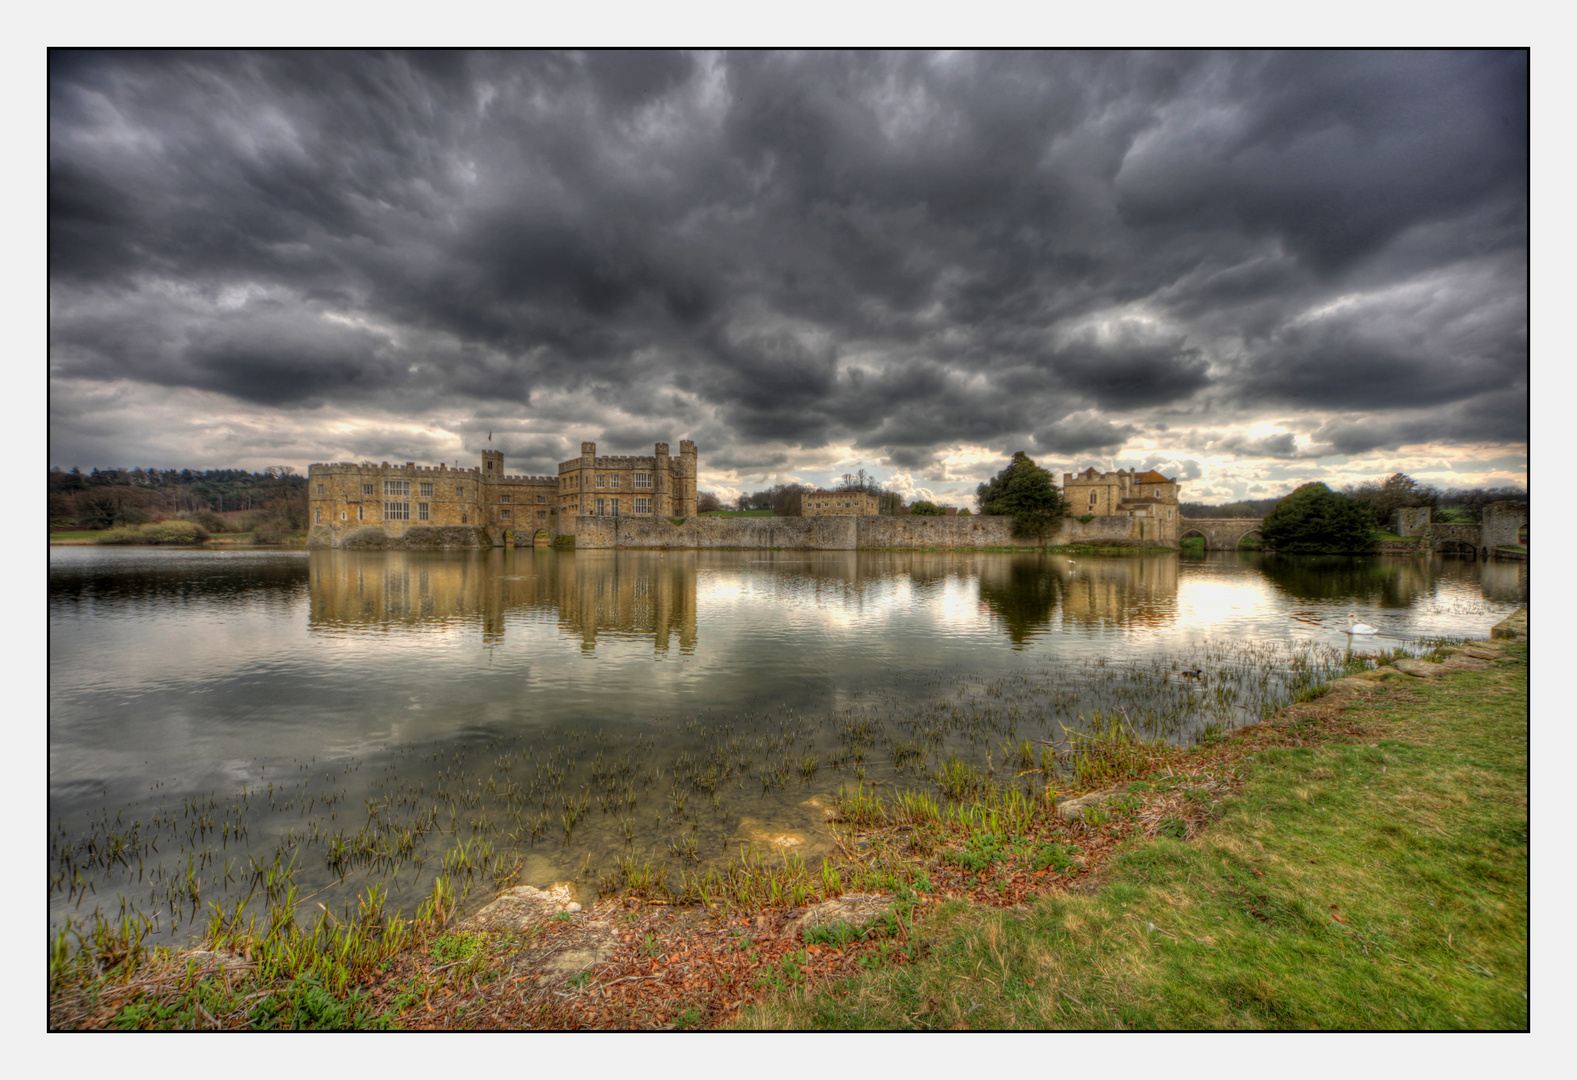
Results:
x,y
1372,883
77,534
735,513
1382,537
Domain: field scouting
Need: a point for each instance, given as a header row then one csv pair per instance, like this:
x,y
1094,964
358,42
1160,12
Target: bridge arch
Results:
x,y
1255,532
1221,534
1456,546
541,538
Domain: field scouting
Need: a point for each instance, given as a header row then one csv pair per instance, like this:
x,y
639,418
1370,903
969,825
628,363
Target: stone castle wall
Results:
x,y
1410,521
863,533
1502,522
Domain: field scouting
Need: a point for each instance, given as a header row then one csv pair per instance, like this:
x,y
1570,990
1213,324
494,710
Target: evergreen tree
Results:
x,y
1315,519
1027,493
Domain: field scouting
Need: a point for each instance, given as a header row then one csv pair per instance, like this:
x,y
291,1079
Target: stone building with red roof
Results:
x,y
1127,493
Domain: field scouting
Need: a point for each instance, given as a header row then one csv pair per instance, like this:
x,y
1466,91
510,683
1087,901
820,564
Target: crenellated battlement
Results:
x,y
368,467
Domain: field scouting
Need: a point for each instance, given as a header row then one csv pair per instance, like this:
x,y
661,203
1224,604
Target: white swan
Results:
x,y
1356,627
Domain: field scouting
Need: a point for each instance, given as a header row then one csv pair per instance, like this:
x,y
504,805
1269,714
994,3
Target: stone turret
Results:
x,y
684,486
663,484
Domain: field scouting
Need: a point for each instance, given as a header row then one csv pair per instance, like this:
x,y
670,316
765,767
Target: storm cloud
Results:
x,y
808,262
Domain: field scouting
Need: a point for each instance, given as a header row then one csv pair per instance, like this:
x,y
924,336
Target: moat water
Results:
x,y
215,712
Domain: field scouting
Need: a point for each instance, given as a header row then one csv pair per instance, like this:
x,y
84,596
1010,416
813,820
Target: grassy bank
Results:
x,y
1370,871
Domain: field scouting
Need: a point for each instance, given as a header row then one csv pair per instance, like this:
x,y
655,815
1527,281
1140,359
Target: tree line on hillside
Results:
x,y
273,501
1381,497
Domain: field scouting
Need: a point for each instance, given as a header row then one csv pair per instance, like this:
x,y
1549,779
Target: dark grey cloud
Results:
x,y
1082,435
893,252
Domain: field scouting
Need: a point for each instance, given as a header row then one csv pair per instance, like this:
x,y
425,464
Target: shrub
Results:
x,y
175,532
208,521
271,533
924,508
163,532
964,512
126,534
1085,519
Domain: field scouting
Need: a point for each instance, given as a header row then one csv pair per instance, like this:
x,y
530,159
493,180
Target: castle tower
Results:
x,y
684,488
588,464
492,466
662,493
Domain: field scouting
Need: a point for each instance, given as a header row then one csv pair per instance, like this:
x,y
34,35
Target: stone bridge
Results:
x,y
1221,534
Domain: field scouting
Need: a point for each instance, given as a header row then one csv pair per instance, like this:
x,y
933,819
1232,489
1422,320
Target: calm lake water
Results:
x,y
213,712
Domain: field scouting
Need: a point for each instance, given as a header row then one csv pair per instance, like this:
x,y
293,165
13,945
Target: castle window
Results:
x,y
643,506
396,487
542,498
601,480
541,514
463,520
600,510
422,511
613,481
361,511
317,516
643,479
504,498
1092,500
459,490
342,515
320,489
366,489
504,514
400,511
615,507
426,489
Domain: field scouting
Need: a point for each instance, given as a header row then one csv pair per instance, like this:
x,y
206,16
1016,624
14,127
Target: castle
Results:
x,y
349,497
1135,494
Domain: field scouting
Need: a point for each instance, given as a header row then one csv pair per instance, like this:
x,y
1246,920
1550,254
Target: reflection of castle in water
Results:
x,y
1024,593
1122,592
646,596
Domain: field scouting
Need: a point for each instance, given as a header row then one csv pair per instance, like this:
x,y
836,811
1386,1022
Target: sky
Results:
x,y
1245,269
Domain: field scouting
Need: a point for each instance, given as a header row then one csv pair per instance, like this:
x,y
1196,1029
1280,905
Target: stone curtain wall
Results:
x,y
1502,520
847,534
813,533
1410,521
